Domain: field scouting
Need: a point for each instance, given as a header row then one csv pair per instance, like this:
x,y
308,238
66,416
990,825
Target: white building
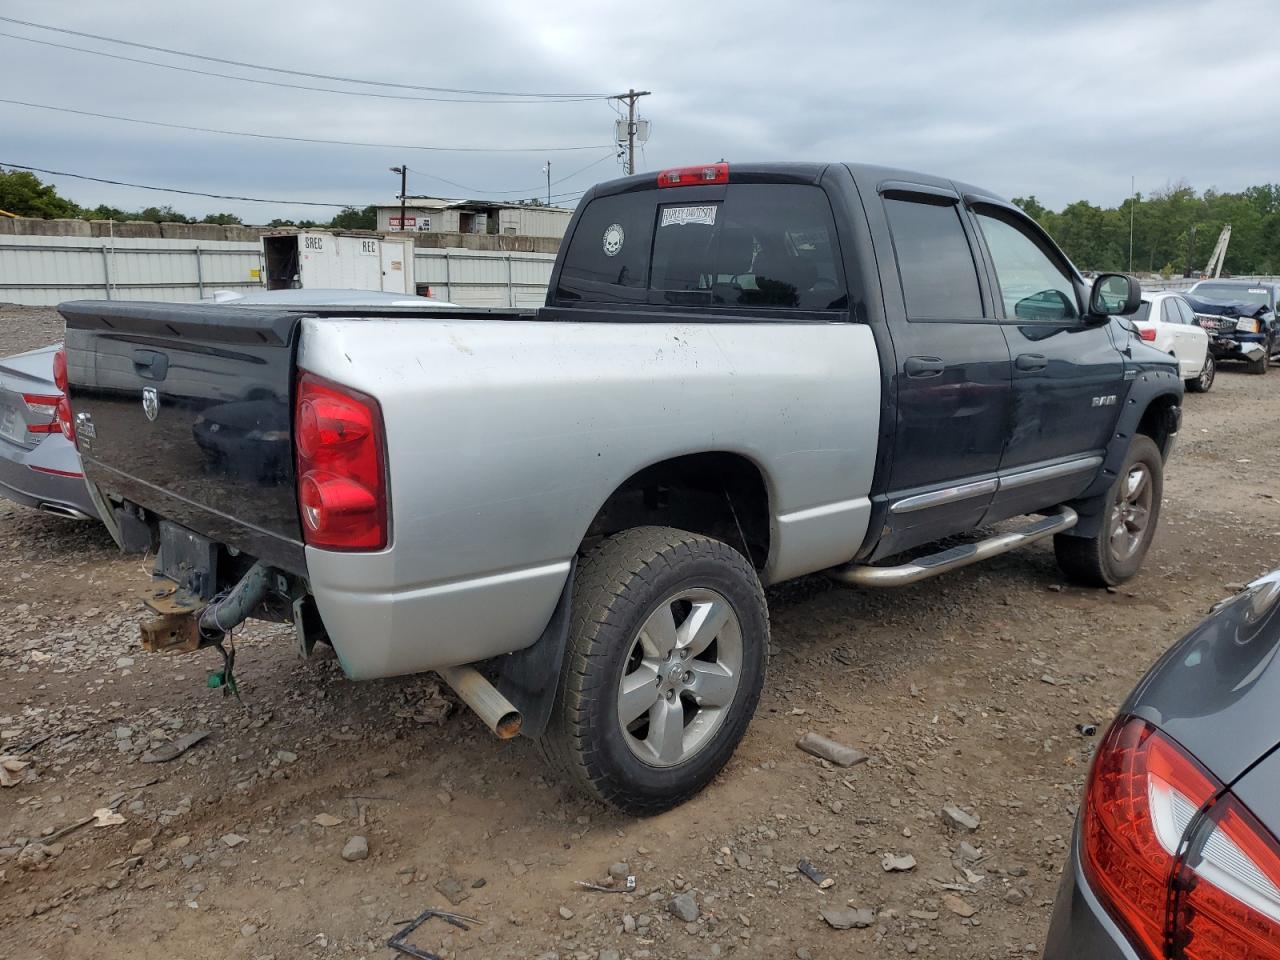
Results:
x,y
430,215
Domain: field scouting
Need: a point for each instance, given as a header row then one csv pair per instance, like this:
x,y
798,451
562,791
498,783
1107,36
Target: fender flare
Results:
x,y
1157,392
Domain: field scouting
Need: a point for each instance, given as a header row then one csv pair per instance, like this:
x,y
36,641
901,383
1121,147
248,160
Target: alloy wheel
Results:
x,y
1131,512
680,677
1206,374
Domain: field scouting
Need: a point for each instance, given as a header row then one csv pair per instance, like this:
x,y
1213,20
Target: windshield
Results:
x,y
1257,296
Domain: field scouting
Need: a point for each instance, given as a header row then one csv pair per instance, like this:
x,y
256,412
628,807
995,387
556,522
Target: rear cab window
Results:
x,y
768,247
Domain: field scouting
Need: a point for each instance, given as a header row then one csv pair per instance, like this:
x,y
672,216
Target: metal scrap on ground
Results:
x,y
831,751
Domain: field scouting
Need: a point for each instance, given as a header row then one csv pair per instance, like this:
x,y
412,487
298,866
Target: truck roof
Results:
x,y
802,172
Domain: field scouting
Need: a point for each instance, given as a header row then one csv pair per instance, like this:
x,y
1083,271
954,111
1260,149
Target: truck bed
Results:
x,y
215,452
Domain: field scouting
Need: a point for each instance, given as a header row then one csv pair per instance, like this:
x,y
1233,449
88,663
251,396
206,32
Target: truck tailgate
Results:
x,y
184,409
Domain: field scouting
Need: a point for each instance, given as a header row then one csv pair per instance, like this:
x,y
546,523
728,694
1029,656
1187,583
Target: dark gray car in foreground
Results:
x,y
1175,853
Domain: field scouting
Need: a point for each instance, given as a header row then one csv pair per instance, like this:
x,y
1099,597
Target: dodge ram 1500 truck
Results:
x,y
742,374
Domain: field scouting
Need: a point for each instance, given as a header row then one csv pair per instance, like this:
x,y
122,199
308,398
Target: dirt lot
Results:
x,y
964,690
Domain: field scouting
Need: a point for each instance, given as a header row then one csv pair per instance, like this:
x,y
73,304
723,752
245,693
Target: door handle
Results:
x,y
922,367
150,364
1031,361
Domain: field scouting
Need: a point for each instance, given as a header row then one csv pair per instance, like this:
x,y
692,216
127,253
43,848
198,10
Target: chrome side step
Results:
x,y
921,568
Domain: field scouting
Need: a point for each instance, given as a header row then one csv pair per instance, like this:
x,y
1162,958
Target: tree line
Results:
x,y
24,194
1174,230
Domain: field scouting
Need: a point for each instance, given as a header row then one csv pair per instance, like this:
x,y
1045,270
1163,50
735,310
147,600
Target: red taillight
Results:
x,y
1229,888
66,423
60,368
691,176
1129,847
1147,333
43,405
1214,898
62,413
341,477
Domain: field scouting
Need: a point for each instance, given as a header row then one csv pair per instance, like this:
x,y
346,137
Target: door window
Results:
x,y
1033,287
1171,312
935,265
1185,311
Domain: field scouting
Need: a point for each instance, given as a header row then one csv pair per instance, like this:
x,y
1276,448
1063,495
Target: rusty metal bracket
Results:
x,y
176,629
397,941
171,633
167,598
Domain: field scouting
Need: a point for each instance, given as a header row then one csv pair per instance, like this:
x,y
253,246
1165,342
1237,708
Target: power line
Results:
x,y
189,193
303,73
315,140
277,83
522,190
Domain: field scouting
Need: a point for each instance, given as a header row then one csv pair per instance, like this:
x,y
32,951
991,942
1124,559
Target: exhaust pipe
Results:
x,y
59,510
497,712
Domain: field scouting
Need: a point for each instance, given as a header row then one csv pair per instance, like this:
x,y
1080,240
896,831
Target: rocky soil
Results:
x,y
318,815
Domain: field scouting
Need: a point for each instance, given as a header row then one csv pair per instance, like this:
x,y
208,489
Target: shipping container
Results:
x,y
327,261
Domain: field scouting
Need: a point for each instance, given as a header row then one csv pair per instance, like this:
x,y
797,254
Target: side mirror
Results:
x,y
1115,295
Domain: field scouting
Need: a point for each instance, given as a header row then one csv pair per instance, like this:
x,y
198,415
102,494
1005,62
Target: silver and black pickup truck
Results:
x,y
742,374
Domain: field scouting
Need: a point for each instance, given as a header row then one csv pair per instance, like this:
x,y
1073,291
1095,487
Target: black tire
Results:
x,y
618,587
1092,561
1202,383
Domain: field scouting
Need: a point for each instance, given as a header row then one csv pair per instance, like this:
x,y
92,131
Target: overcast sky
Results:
x,y
1062,100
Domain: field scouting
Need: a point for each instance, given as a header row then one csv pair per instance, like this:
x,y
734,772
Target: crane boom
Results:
x,y
1219,255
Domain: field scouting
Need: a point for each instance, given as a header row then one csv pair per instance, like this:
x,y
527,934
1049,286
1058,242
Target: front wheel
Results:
x,y
1202,383
664,669
1116,552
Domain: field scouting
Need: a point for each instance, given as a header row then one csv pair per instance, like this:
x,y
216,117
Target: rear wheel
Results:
x,y
1202,383
1132,511
664,669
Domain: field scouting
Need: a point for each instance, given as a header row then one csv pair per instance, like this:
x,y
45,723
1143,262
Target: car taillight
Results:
x,y
45,406
691,176
62,411
1147,333
66,422
1228,902
1215,898
341,467
60,369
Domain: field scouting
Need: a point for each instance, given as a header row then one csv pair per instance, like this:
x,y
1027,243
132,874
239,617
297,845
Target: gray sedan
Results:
x,y
1175,851
39,466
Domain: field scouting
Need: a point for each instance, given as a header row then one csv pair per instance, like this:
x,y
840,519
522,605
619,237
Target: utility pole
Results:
x,y
1132,201
630,97
547,171
404,173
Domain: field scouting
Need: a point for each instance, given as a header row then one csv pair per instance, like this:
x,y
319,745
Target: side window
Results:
x,y
1032,286
1170,311
765,245
935,265
1184,309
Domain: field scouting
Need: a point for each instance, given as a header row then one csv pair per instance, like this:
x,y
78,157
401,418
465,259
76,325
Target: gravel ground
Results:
x,y
964,690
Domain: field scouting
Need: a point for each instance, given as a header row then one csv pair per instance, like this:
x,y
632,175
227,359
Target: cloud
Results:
x,y
1066,101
